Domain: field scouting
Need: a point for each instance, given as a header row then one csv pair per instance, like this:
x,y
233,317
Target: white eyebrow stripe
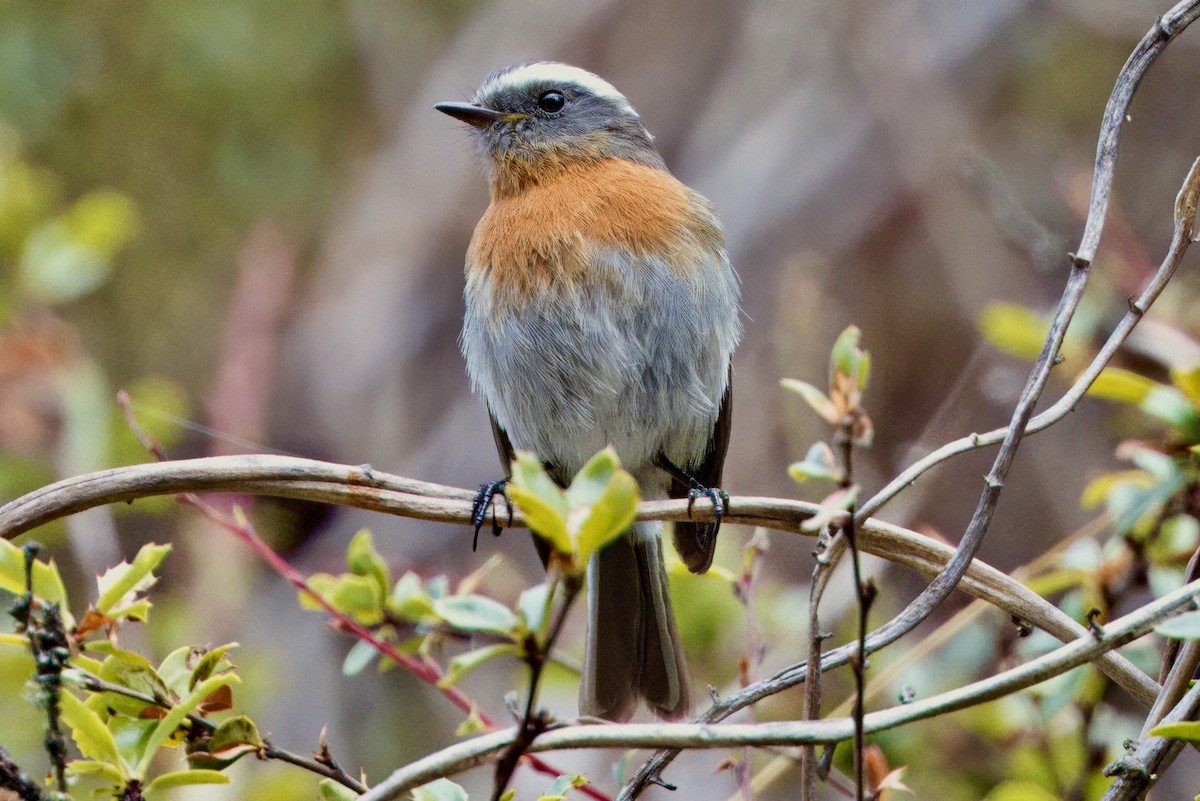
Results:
x,y
551,72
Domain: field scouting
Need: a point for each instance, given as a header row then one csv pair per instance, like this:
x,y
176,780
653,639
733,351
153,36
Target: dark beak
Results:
x,y
470,113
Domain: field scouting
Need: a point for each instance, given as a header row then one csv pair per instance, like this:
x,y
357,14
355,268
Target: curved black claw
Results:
x,y
481,504
718,496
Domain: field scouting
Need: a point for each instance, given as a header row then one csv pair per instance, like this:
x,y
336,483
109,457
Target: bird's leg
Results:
x,y
479,508
718,496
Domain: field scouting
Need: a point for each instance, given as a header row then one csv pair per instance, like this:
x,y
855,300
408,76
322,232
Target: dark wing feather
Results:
x,y
504,447
696,542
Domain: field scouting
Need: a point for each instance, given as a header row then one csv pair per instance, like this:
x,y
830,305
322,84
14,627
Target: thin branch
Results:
x,y
292,477
1165,29
471,753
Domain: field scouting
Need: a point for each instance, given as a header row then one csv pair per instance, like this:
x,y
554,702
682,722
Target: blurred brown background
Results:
x,y
279,260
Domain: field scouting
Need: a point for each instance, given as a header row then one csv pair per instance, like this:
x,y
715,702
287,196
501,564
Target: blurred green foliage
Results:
x,y
201,119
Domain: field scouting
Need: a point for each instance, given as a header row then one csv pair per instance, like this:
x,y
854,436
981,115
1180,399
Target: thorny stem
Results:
x,y
43,626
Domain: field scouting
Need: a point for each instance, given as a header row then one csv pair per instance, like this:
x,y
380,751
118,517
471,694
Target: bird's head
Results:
x,y
533,120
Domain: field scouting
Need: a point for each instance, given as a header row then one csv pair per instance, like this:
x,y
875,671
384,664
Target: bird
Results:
x,y
601,309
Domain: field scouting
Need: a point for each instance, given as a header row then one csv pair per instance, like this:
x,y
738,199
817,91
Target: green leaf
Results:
x,y
47,583
475,613
212,662
364,560
91,736
473,724
129,577
543,502
329,790
848,359
100,770
1121,386
1169,405
180,778
532,605
603,501
1181,627
439,790
357,596
557,791
463,664
134,672
360,655
132,734
1188,382
409,600
231,741
819,462
815,398
1182,730
178,713
1014,330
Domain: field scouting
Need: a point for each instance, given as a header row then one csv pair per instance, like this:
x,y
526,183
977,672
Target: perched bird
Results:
x,y
601,309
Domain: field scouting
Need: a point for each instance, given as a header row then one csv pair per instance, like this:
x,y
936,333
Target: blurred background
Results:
x,y
248,215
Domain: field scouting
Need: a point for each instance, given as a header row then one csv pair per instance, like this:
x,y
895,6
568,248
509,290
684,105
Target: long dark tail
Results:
x,y
633,648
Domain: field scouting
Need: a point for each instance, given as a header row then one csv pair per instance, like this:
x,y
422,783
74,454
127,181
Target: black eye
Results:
x,y
551,102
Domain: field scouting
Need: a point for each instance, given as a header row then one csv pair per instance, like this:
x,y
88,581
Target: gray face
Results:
x,y
539,110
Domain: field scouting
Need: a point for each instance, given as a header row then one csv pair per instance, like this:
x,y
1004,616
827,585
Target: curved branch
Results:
x,y
306,479
1087,648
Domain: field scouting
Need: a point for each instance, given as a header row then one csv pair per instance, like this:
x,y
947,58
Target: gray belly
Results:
x,y
640,363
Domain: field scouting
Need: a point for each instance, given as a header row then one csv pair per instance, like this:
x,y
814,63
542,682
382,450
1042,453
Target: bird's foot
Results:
x,y
718,496
483,502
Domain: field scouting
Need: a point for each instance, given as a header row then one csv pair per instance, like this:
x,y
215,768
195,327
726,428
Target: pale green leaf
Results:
x,y
91,736
819,463
167,726
1121,386
532,605
815,398
603,500
475,613
181,778
409,600
329,790
472,724
364,560
463,664
360,655
1181,730
100,770
543,502
439,790
1181,627
129,577
211,662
